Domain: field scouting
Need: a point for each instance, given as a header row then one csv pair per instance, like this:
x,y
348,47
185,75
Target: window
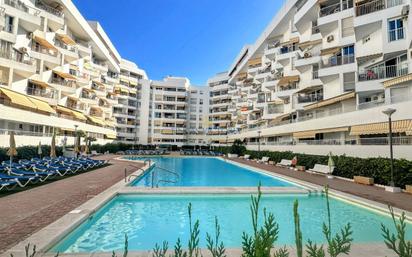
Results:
x,y
9,24
348,54
395,29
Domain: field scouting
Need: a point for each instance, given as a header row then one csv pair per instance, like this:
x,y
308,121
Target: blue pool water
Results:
x,y
204,172
150,219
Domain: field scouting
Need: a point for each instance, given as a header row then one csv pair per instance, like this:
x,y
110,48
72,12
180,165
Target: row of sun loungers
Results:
x,y
36,170
200,152
146,152
284,163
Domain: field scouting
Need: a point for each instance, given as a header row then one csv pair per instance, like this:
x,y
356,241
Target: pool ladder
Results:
x,y
164,180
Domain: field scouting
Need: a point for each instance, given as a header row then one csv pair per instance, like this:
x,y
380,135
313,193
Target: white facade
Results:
x,y
320,75
59,73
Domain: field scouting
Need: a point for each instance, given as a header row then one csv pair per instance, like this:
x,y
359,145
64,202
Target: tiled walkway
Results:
x,y
26,212
401,200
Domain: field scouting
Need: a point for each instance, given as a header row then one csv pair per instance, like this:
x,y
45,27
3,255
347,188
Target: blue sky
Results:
x,y
191,38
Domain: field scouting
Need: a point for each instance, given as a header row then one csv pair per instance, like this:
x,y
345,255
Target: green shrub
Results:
x,y
378,168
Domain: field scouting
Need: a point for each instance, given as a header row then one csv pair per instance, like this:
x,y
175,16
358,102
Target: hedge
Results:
x,y
345,166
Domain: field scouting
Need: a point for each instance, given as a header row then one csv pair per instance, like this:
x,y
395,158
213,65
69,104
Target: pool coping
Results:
x,y
53,233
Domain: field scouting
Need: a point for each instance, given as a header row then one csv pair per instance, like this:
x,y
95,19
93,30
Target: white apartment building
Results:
x,y
61,73
319,77
177,112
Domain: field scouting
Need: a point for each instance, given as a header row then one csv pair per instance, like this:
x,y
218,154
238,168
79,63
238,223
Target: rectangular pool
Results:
x,y
150,219
203,172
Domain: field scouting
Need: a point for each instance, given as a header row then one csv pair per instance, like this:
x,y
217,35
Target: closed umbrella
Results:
x,y
53,146
39,150
12,149
331,163
76,145
86,146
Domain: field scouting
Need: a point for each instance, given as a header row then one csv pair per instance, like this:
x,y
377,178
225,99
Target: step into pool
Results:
x,y
150,219
203,172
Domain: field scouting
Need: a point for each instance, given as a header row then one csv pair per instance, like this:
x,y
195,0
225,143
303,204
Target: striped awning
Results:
x,y
286,80
44,43
255,62
75,114
133,83
96,120
241,76
110,123
42,105
64,75
397,80
330,101
330,51
312,133
111,136
66,39
309,43
39,83
18,99
400,126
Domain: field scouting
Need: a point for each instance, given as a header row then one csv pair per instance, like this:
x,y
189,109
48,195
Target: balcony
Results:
x,y
310,98
39,4
375,6
288,49
338,60
383,72
335,8
42,92
63,82
16,56
371,104
274,109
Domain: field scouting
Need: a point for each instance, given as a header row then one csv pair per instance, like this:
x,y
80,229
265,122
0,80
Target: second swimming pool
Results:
x,y
203,172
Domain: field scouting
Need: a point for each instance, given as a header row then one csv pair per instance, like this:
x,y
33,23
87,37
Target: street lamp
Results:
x,y
389,113
259,140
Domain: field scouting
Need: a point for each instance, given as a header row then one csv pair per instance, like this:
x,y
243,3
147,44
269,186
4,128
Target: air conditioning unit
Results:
x,y
405,11
307,55
330,38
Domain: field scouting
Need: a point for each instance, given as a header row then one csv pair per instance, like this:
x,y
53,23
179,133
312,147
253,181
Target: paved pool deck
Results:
x,y
26,212
399,200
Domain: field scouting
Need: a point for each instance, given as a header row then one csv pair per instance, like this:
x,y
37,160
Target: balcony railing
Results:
x,y
335,8
371,104
376,5
315,74
51,94
310,98
21,6
39,4
16,56
339,60
287,49
62,82
275,110
407,140
383,72
43,50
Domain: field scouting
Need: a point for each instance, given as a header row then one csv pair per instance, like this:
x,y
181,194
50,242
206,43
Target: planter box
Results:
x,y
363,180
409,189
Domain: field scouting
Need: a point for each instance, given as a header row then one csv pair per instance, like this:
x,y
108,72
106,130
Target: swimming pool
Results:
x,y
203,172
150,219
